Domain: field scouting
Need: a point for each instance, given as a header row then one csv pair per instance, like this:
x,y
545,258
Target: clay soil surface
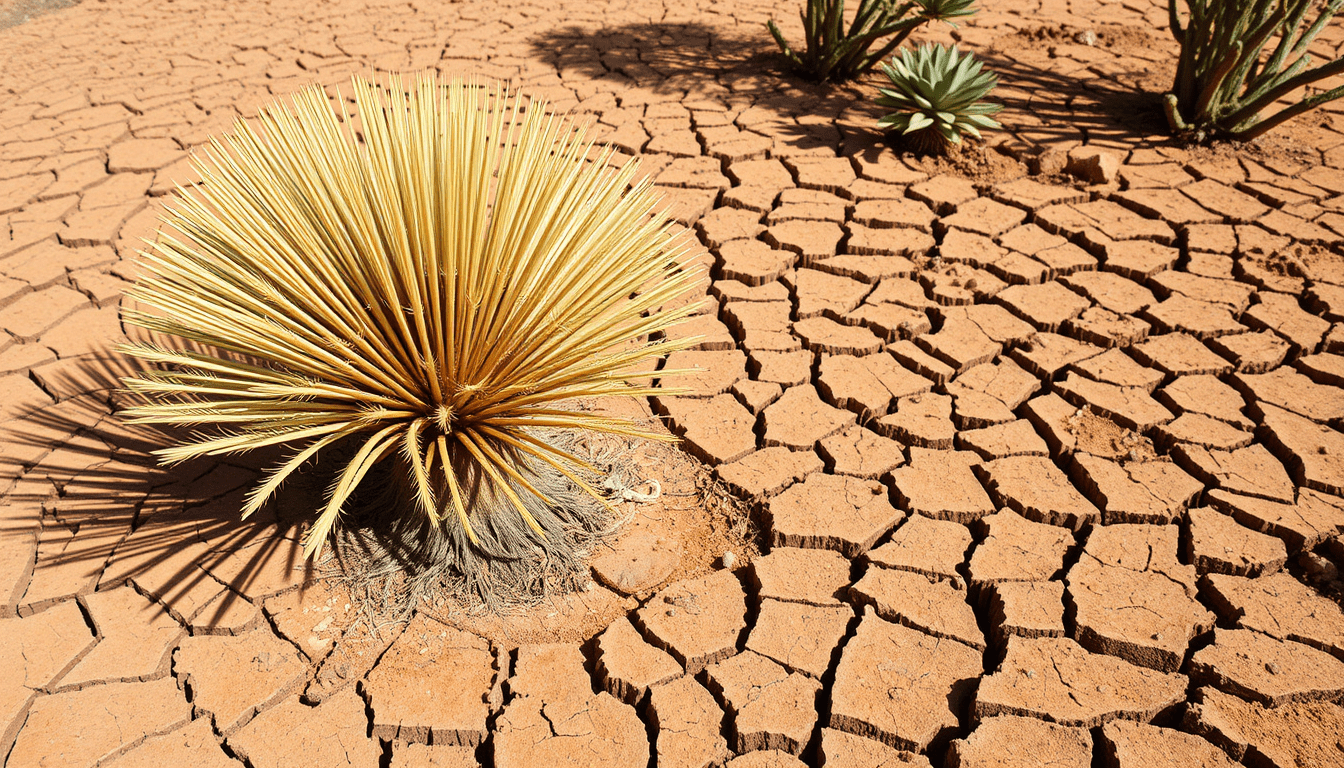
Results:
x,y
1034,451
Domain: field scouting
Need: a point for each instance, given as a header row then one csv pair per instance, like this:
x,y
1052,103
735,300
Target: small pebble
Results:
x,y
729,560
1086,37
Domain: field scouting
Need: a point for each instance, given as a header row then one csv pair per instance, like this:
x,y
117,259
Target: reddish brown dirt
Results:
x,y
1043,435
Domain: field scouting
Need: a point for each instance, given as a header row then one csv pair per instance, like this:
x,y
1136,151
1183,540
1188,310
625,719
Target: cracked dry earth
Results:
x,y
1049,470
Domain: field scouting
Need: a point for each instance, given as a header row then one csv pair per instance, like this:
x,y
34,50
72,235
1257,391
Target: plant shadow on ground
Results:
x,y
111,514
1122,108
701,60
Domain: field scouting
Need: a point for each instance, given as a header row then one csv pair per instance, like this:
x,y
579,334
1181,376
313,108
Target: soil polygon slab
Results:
x,y
809,576
816,292
1136,491
811,240
859,452
1281,607
1208,396
595,731
870,269
1017,549
725,224
1009,741
1283,314
769,707
1138,259
1045,354
1111,291
932,547
1031,195
93,725
1130,407
772,758
425,756
1142,612
799,636
1180,354
698,621
707,373
1056,680
923,420
1104,328
1252,352
1013,438
1027,609
974,335
906,292
730,291
1272,672
715,430
194,745
1115,367
785,368
943,193
846,514
1004,382
920,361
867,385
1230,293
1203,431
893,213
821,334
768,472
984,216
234,678
1219,544
688,725
1292,391
36,651
136,637
942,485
1301,525
915,600
1291,735
756,395
903,242
332,733
1140,745
1201,319
1324,368
845,750
1314,452
628,666
958,283
1036,489
901,686
1251,471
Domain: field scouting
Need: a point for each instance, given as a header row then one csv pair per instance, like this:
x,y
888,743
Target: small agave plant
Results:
x,y
414,295
936,92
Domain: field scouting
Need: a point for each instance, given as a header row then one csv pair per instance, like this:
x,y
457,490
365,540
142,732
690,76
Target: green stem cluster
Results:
x,y
834,52
1231,68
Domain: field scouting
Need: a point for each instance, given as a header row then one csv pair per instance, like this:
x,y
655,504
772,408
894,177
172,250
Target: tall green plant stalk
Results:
x,y
1240,56
835,53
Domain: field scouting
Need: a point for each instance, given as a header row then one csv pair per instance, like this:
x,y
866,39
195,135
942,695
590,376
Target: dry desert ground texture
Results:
x,y
1046,467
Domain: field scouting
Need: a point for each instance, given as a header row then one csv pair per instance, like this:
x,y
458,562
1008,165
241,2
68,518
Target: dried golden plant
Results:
x,y
426,281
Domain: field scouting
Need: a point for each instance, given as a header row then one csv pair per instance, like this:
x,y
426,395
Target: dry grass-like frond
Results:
x,y
426,291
